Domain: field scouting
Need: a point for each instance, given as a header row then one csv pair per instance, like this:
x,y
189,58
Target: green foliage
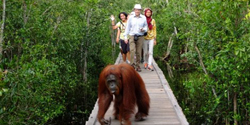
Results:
x,y
3,89
221,33
46,46
48,42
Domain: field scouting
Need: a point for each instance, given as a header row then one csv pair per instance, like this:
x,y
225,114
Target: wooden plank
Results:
x,y
171,96
164,109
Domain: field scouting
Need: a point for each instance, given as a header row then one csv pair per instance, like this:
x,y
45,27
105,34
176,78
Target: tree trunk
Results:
x,y
202,65
2,29
200,58
113,41
227,122
58,21
113,36
25,18
170,44
86,50
235,108
170,72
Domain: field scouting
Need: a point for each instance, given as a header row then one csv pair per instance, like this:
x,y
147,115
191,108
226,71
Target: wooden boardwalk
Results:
x,y
164,109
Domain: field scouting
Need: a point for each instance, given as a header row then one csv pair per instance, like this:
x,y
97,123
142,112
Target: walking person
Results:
x,y
121,26
136,27
150,40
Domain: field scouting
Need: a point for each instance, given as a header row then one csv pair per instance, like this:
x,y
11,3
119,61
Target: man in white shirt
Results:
x,y
136,27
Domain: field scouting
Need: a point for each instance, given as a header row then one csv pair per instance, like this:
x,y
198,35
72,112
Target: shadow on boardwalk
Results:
x,y
164,109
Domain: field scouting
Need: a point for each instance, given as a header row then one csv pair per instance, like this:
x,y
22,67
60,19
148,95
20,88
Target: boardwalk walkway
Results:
x,y
164,109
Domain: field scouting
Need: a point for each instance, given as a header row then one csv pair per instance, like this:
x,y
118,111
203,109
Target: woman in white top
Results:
x,y
121,26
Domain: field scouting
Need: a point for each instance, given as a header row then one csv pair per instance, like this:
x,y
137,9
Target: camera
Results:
x,y
136,37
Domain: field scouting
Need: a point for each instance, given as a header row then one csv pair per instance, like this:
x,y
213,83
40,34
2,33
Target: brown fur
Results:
x,y
130,92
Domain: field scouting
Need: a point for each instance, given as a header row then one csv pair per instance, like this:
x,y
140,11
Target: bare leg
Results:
x,y
124,57
128,56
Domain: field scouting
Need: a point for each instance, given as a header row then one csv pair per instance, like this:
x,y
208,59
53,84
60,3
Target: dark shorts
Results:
x,y
124,46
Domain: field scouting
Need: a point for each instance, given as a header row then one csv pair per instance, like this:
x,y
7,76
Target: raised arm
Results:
x,y
113,22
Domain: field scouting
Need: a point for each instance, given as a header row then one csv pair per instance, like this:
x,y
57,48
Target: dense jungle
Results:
x,y
52,52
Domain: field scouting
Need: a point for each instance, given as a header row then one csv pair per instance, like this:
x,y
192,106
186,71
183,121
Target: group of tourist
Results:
x,y
136,32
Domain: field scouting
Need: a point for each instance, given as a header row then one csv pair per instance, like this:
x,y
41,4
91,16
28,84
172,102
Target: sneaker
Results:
x,y
146,65
133,65
142,60
127,61
150,68
138,69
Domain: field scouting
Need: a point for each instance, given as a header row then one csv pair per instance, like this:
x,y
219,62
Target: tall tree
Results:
x,y
2,30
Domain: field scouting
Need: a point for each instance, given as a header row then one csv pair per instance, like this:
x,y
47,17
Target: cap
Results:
x,y
137,6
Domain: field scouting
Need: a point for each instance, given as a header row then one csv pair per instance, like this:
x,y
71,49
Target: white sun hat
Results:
x,y
137,6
